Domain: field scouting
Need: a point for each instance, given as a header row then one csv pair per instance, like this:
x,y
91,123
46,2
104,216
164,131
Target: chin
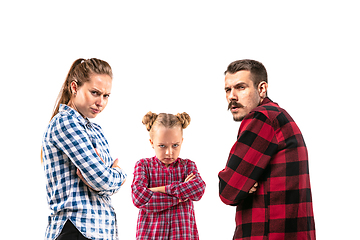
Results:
x,y
92,116
238,118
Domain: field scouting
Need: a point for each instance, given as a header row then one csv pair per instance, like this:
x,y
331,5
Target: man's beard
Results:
x,y
237,105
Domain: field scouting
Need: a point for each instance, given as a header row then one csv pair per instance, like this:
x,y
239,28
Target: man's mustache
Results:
x,y
235,104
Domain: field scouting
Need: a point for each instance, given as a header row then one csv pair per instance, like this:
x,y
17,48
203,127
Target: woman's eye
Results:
x,y
94,93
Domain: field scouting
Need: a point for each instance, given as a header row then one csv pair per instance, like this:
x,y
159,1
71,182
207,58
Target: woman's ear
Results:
x,y
73,87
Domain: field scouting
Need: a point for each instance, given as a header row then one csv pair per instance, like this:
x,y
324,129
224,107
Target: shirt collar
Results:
x,y
71,111
174,164
265,101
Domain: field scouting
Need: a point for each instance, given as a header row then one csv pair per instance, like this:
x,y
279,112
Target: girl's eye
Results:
x,y
106,96
175,145
161,146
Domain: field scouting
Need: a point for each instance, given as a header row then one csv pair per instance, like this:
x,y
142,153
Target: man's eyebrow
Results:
x,y
236,85
241,84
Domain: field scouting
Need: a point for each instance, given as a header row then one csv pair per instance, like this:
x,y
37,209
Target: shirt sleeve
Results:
x,y
191,190
145,199
248,158
71,138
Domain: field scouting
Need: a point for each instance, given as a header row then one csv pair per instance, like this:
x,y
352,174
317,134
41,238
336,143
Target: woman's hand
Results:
x,y
78,172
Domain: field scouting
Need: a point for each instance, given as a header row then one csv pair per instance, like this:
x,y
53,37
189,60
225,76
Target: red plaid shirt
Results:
x,y
162,216
269,150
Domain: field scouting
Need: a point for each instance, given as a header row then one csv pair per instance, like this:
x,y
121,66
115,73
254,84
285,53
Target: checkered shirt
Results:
x,y
68,144
162,216
270,150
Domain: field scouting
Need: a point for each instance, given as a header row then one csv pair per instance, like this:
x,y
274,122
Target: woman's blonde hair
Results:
x,y
165,119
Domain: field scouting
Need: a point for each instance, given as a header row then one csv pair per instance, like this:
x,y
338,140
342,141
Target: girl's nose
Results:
x,y
168,151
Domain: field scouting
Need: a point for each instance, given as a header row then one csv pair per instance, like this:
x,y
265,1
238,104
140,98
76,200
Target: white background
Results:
x,y
170,56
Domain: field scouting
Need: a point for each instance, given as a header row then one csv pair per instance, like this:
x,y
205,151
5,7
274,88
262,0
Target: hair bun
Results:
x,y
149,119
184,119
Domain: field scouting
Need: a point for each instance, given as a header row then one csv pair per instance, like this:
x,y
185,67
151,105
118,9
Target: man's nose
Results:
x,y
232,95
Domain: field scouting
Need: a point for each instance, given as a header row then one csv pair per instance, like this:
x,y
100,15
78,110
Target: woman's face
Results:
x,y
92,97
167,143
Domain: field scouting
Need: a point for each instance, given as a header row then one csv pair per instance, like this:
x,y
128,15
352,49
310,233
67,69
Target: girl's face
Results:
x,y
92,97
167,143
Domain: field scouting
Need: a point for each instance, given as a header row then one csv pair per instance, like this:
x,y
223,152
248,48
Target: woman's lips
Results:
x,y
95,111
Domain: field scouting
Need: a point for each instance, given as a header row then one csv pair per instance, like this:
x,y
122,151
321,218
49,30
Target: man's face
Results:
x,y
241,94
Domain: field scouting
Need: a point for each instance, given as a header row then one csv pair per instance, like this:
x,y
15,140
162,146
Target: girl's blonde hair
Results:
x,y
165,119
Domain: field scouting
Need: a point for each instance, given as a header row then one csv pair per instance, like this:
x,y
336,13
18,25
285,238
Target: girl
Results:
x,y
80,173
165,186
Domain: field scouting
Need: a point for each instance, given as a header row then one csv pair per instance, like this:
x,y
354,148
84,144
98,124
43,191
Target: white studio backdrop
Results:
x,y
170,57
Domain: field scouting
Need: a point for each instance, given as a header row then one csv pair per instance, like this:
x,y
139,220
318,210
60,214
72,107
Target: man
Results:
x,y
269,155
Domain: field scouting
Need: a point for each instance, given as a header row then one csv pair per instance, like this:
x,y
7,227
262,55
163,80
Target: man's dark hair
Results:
x,y
257,70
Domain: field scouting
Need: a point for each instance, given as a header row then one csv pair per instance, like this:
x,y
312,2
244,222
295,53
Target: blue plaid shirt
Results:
x,y
69,144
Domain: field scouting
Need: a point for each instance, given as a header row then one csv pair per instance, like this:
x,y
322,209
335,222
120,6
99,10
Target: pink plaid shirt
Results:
x,y
162,216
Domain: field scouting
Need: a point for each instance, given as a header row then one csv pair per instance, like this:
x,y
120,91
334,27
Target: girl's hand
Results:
x,y
190,177
254,188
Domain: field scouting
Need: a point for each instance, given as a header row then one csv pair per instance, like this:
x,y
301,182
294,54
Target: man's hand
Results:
x,y
254,188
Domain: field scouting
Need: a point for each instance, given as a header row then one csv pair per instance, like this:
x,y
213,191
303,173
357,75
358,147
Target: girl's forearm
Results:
x,y
158,189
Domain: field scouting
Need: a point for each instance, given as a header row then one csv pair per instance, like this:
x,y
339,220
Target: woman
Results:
x,y
81,175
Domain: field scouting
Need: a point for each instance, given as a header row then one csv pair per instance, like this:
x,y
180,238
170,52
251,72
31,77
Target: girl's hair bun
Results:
x,y
184,119
149,119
